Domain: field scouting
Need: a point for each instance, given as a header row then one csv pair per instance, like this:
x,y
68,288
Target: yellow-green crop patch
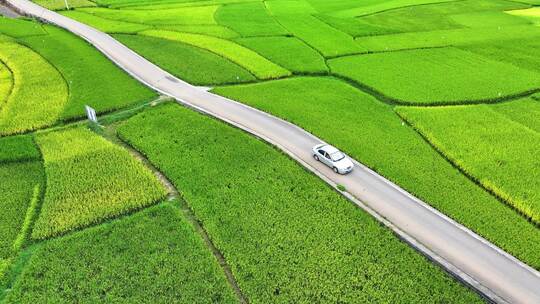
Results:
x,y
39,92
321,36
525,111
61,4
496,151
249,19
184,15
105,25
287,236
89,180
19,180
153,256
289,52
6,83
533,14
259,66
436,76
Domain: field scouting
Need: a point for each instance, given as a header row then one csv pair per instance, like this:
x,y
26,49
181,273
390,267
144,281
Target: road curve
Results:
x,y
493,272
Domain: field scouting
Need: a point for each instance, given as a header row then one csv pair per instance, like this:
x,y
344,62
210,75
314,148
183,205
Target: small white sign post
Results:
x,y
91,113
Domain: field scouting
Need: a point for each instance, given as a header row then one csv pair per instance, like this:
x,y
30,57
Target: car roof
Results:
x,y
329,149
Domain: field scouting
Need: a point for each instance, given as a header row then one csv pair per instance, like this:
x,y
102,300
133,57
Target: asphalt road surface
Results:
x,y
493,272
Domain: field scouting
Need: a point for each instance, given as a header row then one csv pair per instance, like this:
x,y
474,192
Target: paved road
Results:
x,y
493,272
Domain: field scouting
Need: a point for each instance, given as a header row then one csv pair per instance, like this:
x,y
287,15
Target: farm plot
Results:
x,y
94,81
525,111
532,14
183,15
196,66
6,83
324,38
39,92
89,180
442,38
298,57
370,132
496,151
105,25
287,236
154,256
355,27
249,19
20,28
259,66
436,76
289,7
18,148
378,6
17,189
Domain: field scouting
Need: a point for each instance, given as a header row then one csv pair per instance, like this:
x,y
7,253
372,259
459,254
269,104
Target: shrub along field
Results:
x,y
370,132
304,242
89,180
154,256
490,151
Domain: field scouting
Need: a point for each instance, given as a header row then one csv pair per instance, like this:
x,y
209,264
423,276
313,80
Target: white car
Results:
x,y
333,158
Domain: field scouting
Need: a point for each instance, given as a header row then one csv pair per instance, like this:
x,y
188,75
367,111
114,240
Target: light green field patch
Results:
x,y
435,76
496,151
489,19
19,27
382,6
249,19
261,67
355,26
203,29
532,14
38,95
61,4
6,83
105,25
524,111
441,38
89,180
185,15
298,57
321,36
289,7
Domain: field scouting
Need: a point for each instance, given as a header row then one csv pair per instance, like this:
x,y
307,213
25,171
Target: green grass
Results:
x,y
355,27
451,37
185,15
20,27
298,57
94,81
211,69
89,180
436,76
525,111
154,256
370,132
18,148
16,192
289,7
496,151
321,36
60,4
303,243
105,25
39,92
381,6
259,66
249,19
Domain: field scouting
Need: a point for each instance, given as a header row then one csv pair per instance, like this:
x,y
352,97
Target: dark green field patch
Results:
x,y
18,148
192,64
286,235
154,256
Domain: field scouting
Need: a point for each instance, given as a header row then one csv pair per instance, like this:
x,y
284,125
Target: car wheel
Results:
x,y
336,170
316,157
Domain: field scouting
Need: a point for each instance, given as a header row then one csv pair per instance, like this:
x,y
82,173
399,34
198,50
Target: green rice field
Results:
x,y
159,204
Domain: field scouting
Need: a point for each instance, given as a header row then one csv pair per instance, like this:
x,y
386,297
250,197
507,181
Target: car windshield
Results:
x,y
337,156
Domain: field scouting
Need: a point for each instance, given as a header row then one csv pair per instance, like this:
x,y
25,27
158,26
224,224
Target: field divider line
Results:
x,y
189,214
152,76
